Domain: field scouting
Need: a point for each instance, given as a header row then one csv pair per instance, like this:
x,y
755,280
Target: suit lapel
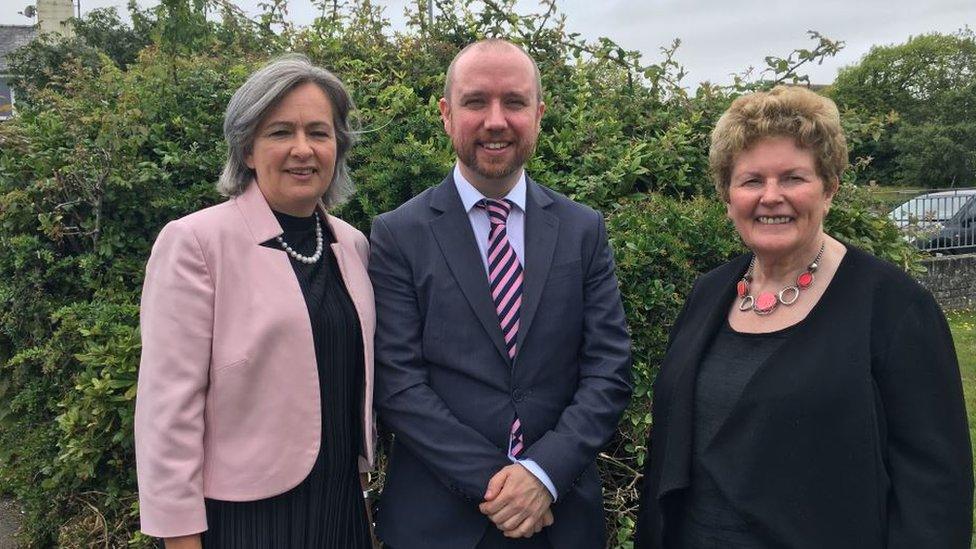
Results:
x,y
541,232
258,217
678,383
353,277
452,230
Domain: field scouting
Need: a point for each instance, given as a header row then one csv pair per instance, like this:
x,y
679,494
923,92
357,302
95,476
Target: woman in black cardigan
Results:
x,y
810,395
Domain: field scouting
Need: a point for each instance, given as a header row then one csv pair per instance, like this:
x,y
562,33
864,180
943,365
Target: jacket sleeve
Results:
x,y
604,389
176,322
928,453
459,456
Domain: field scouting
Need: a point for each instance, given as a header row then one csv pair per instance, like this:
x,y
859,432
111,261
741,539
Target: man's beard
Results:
x,y
467,153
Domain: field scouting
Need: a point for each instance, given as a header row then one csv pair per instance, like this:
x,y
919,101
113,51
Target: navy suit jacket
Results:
x,y
447,389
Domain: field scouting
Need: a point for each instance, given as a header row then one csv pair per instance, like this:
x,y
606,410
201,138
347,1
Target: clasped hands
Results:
x,y
517,502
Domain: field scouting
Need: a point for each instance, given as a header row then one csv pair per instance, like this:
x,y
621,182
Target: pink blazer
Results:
x,y
228,400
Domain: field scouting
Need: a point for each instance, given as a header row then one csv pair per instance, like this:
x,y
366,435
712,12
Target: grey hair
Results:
x,y
261,93
488,43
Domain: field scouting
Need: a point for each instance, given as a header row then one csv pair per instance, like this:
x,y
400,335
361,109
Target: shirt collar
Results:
x,y
471,196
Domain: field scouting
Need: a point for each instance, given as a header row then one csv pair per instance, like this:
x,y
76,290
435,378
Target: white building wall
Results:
x,y
53,15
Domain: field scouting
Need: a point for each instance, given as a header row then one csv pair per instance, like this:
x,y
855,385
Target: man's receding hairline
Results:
x,y
489,43
485,44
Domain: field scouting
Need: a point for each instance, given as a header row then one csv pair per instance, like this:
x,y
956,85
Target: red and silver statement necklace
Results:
x,y
766,302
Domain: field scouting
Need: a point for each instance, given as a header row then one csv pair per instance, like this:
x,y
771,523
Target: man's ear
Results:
x,y
445,109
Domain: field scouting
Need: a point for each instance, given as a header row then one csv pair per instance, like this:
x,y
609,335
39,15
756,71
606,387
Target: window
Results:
x,y
6,99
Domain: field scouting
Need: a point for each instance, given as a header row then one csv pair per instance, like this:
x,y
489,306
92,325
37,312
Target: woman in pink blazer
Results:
x,y
254,411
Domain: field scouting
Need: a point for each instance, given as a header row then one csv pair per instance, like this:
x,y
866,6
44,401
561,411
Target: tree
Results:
x,y
99,32
929,84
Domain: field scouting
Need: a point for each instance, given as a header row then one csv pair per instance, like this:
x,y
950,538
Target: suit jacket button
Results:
x,y
517,395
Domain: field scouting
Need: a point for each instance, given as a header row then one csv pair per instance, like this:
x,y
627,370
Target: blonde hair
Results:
x,y
785,111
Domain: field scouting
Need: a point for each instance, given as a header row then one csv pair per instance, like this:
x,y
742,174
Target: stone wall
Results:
x,y
952,280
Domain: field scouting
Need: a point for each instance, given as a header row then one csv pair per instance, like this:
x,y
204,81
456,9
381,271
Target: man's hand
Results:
x,y
517,502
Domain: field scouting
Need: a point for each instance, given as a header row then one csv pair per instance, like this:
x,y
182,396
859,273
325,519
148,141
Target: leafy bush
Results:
x,y
88,175
118,136
853,220
661,244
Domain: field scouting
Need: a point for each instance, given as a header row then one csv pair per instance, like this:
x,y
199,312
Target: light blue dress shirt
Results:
x,y
515,228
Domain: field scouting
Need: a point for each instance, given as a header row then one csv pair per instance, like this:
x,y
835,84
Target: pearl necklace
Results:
x,y
319,245
766,302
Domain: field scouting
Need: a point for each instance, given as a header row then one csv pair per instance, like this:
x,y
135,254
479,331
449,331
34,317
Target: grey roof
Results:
x,y
11,38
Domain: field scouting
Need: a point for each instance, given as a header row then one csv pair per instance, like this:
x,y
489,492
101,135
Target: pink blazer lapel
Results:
x,y
351,252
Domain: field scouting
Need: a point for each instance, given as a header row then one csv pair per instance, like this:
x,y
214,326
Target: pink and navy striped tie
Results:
x,y
505,283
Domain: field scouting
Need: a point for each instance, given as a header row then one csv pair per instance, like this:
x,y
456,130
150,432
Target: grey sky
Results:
x,y
718,37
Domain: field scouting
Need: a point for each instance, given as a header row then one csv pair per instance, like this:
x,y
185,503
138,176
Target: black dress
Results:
x,y
326,509
707,520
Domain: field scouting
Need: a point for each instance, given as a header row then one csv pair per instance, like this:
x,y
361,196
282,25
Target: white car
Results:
x,y
939,221
931,208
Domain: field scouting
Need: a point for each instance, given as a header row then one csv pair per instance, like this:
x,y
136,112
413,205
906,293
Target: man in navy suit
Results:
x,y
502,353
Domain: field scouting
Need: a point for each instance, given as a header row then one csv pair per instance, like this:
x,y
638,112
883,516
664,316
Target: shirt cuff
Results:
x,y
534,468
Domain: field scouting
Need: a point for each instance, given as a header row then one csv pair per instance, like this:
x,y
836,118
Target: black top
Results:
x,y
326,509
707,517
852,435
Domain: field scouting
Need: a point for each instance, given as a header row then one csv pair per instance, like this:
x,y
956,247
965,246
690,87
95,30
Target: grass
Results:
x,y
963,326
890,197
